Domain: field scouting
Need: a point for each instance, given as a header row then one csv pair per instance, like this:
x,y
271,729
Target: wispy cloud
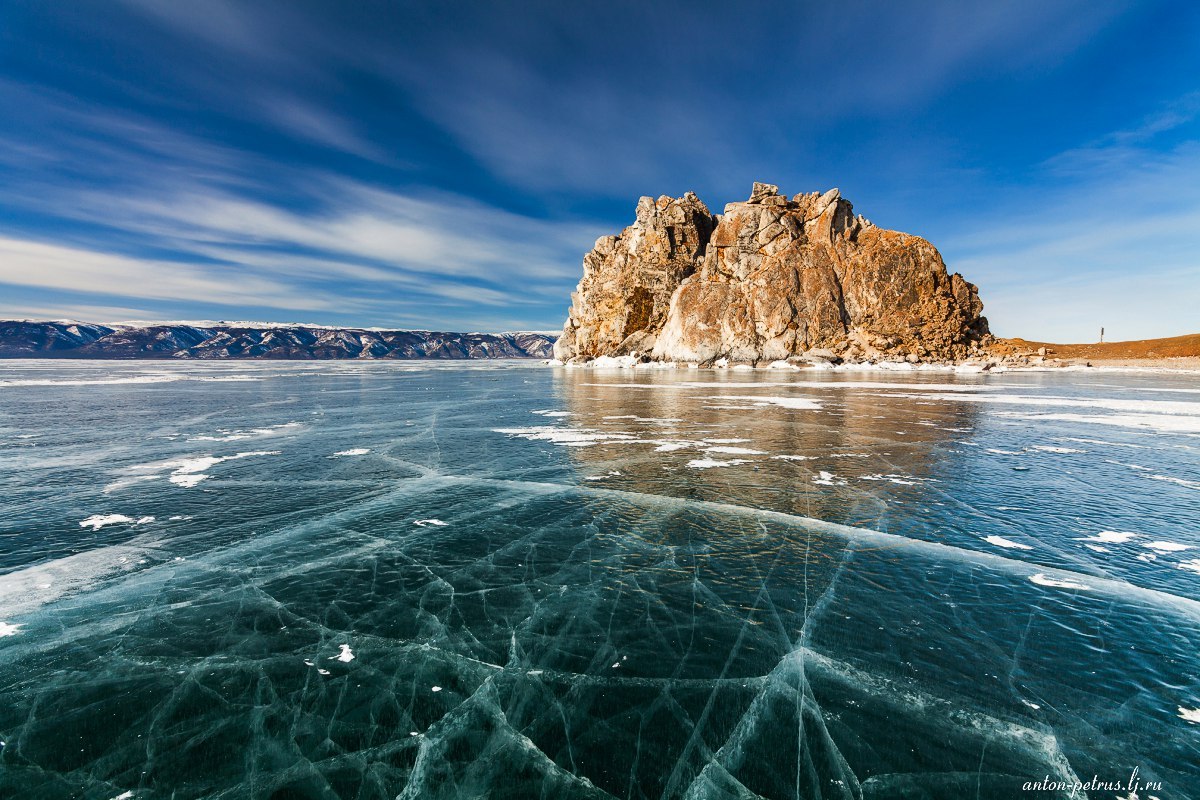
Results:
x,y
28,263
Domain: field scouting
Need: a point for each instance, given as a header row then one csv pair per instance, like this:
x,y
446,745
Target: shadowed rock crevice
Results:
x,y
770,279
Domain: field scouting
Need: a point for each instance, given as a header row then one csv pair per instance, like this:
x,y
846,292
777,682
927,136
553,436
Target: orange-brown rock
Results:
x,y
776,279
628,279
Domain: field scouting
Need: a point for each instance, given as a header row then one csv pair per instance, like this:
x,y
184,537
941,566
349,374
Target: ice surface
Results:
x,y
869,605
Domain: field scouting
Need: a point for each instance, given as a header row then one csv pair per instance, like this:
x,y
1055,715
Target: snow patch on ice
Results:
x,y
828,479
1111,537
903,480
1000,541
1166,547
1041,579
421,523
1177,481
345,656
568,437
1162,423
798,403
9,629
709,463
190,471
1191,715
355,451
236,435
98,521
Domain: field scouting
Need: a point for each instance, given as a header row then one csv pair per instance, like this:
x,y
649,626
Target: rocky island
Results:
x,y
772,279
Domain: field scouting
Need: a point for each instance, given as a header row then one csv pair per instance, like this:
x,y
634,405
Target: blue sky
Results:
x,y
447,165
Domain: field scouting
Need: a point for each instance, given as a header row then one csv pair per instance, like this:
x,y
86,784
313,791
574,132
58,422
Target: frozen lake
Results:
x,y
427,580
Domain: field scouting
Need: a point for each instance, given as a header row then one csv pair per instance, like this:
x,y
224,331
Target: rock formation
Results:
x,y
770,279
628,280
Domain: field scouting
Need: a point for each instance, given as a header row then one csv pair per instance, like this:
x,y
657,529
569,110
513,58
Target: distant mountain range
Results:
x,y
240,340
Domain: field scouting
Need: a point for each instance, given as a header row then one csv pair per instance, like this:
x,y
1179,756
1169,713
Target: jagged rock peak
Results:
x,y
770,279
628,279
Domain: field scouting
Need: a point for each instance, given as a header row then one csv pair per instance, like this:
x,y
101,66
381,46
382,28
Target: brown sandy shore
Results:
x,y
1176,352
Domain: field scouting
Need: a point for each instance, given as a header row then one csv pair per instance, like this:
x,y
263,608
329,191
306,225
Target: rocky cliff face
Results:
x,y
628,279
768,280
24,339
